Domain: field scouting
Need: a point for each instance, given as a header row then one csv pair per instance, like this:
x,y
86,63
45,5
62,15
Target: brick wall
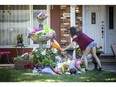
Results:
x,y
65,22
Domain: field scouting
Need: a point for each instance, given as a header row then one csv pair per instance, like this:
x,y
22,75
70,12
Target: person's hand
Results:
x,y
62,49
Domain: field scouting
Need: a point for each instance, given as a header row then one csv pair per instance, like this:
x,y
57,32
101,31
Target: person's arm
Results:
x,y
70,45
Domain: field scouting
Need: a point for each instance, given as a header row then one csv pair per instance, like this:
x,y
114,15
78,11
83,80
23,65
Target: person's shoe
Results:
x,y
100,69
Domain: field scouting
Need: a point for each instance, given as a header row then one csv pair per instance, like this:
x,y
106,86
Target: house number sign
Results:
x,y
93,18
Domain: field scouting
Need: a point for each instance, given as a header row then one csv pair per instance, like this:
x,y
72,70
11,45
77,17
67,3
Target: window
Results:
x,y
111,17
14,20
93,18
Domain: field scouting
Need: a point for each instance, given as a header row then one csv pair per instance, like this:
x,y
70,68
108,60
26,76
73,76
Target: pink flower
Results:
x,y
26,54
78,63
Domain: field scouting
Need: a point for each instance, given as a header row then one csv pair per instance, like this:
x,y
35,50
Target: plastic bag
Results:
x,y
78,63
48,70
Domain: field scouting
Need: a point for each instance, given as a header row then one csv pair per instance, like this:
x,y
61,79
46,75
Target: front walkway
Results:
x,y
108,63
106,67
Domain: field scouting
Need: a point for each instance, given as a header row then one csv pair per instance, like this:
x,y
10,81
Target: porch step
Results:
x,y
6,66
108,59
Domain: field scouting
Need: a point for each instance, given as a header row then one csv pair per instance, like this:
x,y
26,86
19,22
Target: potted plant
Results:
x,y
98,50
20,40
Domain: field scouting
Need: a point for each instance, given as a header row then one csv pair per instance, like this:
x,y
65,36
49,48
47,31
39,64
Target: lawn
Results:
x,y
12,75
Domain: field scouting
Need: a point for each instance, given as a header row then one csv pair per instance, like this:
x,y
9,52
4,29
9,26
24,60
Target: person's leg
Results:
x,y
85,53
93,51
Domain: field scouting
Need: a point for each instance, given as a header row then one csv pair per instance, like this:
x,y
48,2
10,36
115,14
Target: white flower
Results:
x,y
44,52
54,50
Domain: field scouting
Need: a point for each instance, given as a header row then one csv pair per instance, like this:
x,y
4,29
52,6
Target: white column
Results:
x,y
72,22
31,20
72,15
48,14
83,18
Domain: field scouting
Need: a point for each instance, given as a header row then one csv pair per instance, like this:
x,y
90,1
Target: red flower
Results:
x,y
25,66
100,47
29,65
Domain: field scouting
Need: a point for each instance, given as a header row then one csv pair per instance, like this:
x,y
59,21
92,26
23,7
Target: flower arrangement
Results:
x,y
42,16
98,48
43,57
39,57
43,33
79,52
25,56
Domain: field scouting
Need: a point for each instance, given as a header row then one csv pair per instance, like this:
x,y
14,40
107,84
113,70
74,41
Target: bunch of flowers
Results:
x,y
20,39
42,33
43,57
29,65
42,16
24,56
98,48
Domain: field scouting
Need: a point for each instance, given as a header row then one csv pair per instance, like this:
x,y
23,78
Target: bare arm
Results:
x,y
70,45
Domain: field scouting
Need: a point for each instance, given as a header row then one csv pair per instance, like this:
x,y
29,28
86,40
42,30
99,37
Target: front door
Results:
x,y
94,23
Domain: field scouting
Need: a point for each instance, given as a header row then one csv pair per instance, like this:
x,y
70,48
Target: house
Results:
x,y
97,21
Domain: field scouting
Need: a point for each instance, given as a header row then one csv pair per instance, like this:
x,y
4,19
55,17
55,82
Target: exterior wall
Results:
x,y
70,15
110,33
55,20
65,24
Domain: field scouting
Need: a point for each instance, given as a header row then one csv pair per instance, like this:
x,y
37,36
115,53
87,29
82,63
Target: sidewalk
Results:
x,y
108,63
106,66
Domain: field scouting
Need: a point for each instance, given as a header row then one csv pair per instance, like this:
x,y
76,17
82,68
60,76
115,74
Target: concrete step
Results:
x,y
110,59
6,65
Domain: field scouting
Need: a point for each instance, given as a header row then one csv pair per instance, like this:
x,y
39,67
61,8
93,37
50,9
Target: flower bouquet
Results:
x,y
39,39
20,40
41,35
79,52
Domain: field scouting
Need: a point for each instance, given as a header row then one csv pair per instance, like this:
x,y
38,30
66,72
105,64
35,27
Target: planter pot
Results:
x,y
19,64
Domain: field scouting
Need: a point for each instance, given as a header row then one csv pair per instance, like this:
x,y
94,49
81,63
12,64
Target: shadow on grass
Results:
x,y
12,75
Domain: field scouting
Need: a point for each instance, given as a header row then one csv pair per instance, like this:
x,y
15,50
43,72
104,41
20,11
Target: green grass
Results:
x,y
12,75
